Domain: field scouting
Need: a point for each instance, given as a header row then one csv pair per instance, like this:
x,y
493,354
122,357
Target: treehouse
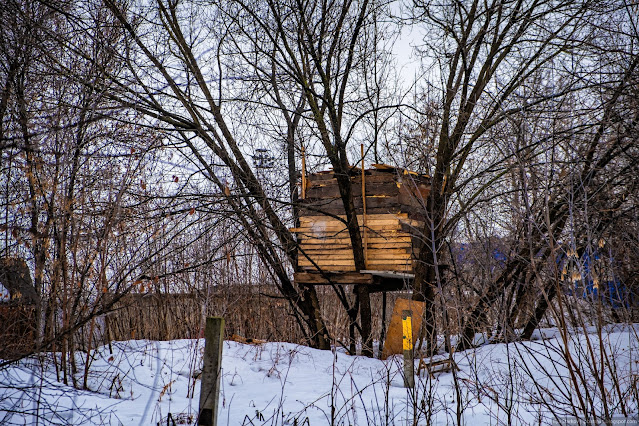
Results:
x,y
390,217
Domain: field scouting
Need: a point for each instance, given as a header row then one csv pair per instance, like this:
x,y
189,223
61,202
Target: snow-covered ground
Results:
x,y
145,382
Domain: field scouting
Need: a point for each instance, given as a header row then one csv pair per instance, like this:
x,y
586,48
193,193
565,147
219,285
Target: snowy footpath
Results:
x,y
150,383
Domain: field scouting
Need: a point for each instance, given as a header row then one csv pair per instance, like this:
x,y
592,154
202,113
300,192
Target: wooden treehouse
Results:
x,y
390,216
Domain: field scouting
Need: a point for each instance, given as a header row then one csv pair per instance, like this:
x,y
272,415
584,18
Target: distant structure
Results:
x,y
592,275
390,215
16,278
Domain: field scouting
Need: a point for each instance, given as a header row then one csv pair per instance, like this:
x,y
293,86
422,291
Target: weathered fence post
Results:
x,y
209,392
407,336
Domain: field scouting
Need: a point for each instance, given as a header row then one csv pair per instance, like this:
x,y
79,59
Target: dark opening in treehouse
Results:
x,y
390,218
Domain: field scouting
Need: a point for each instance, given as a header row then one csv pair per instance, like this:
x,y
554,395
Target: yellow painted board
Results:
x,y
407,333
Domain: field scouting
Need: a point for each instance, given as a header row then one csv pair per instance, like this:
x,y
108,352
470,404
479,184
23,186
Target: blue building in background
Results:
x,y
588,276
592,276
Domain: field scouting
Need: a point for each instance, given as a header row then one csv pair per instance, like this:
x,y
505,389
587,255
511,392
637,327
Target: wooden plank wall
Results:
x,y
326,241
394,206
387,191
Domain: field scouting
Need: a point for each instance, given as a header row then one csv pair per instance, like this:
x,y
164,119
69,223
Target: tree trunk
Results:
x,y
542,305
319,337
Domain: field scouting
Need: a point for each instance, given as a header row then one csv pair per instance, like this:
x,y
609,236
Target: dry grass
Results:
x,y
255,312
17,330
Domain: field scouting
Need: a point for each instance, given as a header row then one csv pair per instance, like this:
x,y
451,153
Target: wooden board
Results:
x,y
316,244
398,263
322,234
376,223
326,241
351,267
333,252
346,278
348,254
372,220
394,336
387,190
382,241
379,216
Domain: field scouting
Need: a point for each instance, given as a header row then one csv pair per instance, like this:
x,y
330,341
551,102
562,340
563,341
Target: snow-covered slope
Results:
x,y
146,382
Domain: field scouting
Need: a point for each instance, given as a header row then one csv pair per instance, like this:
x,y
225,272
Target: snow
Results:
x,y
143,382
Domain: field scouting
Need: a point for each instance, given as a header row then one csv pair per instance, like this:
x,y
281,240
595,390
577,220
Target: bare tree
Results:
x,y
193,98
232,78
483,57
72,166
332,56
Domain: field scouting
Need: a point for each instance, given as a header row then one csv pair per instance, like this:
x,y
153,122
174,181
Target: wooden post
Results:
x,y
407,335
209,392
382,335
303,172
364,232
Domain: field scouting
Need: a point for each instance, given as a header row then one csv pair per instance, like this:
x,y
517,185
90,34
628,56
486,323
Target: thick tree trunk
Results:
x,y
542,305
423,291
427,278
318,335
366,319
